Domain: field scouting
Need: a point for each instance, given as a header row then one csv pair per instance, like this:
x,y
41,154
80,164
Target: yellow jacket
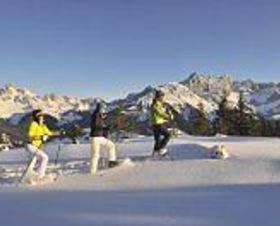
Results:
x,y
158,113
36,133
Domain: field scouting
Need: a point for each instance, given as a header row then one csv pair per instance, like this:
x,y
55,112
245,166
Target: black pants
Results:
x,y
161,135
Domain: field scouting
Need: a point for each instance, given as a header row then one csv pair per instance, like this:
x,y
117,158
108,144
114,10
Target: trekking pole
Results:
x,y
28,164
57,154
173,133
58,151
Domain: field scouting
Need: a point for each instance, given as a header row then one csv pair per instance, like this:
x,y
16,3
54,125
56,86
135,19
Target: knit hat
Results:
x,y
100,107
36,113
159,94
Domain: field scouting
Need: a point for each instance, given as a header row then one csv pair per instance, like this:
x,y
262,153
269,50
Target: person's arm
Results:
x,y
159,110
49,133
170,114
106,127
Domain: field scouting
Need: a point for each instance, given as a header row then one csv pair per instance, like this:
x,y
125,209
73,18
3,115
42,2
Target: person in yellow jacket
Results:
x,y
159,118
38,133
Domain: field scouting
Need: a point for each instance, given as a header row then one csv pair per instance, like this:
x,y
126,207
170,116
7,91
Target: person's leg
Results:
x,y
111,147
94,154
44,159
157,138
32,151
166,136
32,164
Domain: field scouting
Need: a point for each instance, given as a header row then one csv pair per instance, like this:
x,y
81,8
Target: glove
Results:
x,y
45,138
62,132
106,128
170,115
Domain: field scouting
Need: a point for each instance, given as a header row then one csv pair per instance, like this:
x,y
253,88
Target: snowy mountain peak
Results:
x,y
209,87
16,102
264,98
12,91
200,78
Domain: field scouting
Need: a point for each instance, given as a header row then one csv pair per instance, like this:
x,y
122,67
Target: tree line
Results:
x,y
240,120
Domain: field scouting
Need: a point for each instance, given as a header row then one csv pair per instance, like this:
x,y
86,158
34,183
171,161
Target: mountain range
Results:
x,y
184,96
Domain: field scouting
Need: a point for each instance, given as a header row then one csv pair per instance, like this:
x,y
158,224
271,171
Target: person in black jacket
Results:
x,y
98,138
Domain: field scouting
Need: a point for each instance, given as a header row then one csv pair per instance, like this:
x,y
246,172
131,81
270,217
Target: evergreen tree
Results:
x,y
244,117
276,128
225,117
120,117
201,125
120,124
266,128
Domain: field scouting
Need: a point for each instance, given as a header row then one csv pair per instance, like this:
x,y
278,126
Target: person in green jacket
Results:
x,y
159,118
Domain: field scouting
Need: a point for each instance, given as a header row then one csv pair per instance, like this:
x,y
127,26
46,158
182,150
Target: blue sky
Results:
x,y
108,48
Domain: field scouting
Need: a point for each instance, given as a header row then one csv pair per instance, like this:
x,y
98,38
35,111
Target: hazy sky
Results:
x,y
108,48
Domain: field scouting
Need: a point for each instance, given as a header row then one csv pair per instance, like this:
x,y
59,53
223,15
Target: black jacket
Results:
x,y
98,128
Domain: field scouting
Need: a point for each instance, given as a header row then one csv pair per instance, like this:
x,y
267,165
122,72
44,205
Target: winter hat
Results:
x,y
159,94
100,107
36,113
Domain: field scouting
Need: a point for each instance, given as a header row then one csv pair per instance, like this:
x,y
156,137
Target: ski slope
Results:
x,y
192,189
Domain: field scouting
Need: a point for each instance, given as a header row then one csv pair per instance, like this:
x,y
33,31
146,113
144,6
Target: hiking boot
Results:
x,y
112,164
163,152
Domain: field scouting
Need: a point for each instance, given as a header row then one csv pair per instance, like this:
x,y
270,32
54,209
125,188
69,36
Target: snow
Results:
x,y
15,101
190,190
184,96
177,95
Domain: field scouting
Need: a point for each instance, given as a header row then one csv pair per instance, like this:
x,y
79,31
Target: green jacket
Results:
x,y
158,113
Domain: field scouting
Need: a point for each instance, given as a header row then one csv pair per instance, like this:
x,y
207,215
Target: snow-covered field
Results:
x,y
190,190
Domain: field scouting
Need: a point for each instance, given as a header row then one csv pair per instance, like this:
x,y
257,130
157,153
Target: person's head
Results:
x,y
100,109
159,95
38,116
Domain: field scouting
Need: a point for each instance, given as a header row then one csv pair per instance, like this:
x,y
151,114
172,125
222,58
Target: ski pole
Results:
x,y
26,168
57,154
62,133
58,151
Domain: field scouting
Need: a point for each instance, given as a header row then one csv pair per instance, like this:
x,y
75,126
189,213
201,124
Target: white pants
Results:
x,y
95,144
40,158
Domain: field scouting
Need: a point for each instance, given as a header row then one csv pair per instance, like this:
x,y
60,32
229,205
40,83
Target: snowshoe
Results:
x,y
112,164
163,152
49,178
